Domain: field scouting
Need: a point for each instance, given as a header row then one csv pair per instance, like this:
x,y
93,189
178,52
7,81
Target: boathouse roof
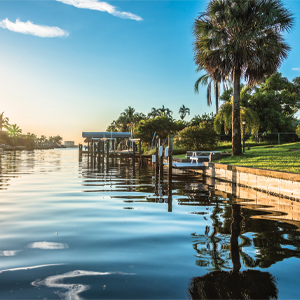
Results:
x,y
106,134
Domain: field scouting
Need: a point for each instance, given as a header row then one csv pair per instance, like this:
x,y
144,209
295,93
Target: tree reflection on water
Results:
x,y
249,284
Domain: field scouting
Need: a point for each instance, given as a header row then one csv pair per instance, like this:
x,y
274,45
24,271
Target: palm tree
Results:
x,y
241,38
183,111
3,121
206,80
13,130
154,113
165,111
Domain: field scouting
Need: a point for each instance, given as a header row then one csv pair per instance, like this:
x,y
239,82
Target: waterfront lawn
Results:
x,y
278,157
273,157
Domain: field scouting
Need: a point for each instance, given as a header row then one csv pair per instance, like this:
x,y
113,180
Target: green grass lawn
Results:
x,y
272,157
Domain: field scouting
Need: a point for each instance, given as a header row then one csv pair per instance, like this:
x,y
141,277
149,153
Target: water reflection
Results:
x,y
249,284
47,245
126,217
73,290
29,268
9,252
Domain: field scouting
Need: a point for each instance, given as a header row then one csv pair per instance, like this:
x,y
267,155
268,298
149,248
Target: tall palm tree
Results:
x,y
3,121
241,38
183,111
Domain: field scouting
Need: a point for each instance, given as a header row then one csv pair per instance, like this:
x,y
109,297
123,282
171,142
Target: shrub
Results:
x,y
298,130
199,137
4,138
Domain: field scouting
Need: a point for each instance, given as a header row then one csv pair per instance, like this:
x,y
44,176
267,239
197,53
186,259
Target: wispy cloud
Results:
x,y
101,6
33,29
296,69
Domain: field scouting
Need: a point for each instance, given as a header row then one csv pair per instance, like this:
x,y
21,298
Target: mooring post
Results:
x,y
95,153
107,150
92,148
170,164
140,153
133,154
88,148
98,152
156,157
102,153
161,163
80,152
156,161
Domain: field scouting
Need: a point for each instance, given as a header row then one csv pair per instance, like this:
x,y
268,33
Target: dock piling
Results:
x,y
170,164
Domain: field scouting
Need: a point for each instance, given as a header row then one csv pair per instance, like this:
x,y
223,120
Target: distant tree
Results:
x,y
57,139
127,120
197,119
162,125
165,111
13,130
154,113
183,111
3,120
241,38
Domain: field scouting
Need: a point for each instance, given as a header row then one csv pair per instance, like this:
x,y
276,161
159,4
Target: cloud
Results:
x,y
47,245
101,6
296,69
30,28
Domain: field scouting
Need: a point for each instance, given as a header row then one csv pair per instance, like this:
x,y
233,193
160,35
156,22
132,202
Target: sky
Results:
x,y
69,66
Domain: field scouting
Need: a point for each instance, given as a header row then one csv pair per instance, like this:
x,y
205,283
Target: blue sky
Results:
x,y
82,70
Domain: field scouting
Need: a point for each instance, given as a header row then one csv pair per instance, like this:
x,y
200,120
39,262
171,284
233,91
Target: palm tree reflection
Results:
x,y
249,284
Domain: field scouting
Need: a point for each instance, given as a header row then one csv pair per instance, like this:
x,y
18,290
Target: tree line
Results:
x,y
11,135
267,107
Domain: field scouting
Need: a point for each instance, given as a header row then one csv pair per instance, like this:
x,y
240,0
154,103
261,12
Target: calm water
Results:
x,y
70,231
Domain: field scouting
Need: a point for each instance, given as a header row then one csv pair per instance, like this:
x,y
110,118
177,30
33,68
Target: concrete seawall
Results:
x,y
283,184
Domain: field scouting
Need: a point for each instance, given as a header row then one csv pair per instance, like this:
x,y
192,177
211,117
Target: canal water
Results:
x,y
71,231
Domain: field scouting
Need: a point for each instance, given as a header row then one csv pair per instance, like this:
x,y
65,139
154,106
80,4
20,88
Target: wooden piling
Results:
x,y
102,153
98,154
156,161
95,153
140,153
161,164
133,153
107,150
170,164
92,148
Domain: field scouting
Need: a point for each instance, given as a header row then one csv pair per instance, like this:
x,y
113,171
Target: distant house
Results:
x,y
69,144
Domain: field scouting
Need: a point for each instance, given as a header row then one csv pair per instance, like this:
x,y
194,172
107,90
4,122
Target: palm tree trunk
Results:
x,y
234,242
236,123
217,96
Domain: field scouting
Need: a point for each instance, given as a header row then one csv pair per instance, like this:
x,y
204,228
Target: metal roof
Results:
x,y
106,134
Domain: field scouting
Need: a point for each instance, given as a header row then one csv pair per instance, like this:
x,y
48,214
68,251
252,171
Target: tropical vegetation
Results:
x,y
12,136
238,39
